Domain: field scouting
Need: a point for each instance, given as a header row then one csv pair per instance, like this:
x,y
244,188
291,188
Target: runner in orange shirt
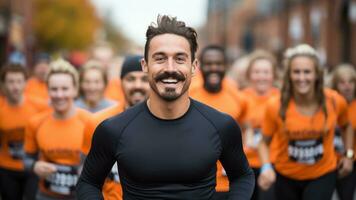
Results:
x,y
261,73
36,85
344,81
54,139
93,81
216,93
136,88
302,121
16,109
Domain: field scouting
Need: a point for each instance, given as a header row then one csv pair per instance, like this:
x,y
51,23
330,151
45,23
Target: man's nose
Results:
x,y
170,65
138,84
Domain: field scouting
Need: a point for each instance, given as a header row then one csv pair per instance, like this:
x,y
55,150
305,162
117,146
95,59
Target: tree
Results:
x,y
64,24
114,36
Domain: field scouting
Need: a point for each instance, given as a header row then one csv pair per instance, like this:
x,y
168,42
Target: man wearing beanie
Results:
x,y
135,86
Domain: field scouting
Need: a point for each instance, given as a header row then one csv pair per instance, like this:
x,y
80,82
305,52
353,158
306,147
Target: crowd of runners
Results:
x,y
297,122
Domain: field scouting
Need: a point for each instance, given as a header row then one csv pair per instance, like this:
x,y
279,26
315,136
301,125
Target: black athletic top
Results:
x,y
167,159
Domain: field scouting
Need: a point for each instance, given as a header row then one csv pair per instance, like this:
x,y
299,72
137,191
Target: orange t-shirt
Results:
x,y
229,101
198,82
58,141
254,117
114,91
12,130
36,88
306,148
111,190
352,119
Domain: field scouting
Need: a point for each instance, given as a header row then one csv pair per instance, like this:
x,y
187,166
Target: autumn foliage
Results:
x,y
64,24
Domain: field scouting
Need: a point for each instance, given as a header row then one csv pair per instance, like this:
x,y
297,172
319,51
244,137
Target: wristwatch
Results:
x,y
349,153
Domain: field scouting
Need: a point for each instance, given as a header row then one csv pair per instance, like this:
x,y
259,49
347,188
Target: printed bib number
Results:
x,y
16,149
114,174
253,138
306,151
338,143
63,181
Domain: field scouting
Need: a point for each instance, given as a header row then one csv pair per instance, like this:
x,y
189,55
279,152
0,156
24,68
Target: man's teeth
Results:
x,y
170,81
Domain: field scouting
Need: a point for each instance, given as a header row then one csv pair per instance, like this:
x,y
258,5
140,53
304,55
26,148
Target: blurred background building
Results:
x,y
244,25
241,26
15,28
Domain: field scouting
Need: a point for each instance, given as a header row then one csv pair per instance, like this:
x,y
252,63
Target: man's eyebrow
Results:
x,y
158,54
182,54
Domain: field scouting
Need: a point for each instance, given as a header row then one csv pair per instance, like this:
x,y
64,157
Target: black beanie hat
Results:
x,y
131,63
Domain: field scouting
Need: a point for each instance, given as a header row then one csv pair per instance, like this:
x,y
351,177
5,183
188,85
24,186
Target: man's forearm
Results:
x,y
86,191
242,187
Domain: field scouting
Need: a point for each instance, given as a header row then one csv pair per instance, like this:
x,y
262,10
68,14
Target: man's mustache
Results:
x,y
143,92
173,75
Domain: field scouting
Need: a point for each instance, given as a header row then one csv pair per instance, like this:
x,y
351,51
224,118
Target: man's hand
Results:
x,y
44,169
266,179
345,166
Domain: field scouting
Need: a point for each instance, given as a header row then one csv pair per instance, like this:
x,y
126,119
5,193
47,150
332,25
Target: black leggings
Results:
x,y
319,188
258,193
17,185
345,187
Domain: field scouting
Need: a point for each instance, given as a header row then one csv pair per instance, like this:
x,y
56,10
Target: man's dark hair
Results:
x,y
166,24
212,47
12,67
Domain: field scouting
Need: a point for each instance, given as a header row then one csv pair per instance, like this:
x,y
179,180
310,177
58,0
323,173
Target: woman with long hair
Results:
x,y
261,74
302,123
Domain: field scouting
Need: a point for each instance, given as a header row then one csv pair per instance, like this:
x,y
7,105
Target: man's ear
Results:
x,y
194,67
144,65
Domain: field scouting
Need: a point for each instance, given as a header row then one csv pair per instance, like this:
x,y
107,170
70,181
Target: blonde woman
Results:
x,y
302,123
261,75
93,81
53,140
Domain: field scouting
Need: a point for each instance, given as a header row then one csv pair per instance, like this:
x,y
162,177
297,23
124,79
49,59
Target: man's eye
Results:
x,y
130,79
180,60
159,59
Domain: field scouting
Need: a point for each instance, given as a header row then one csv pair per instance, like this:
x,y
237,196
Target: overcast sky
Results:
x,y
134,16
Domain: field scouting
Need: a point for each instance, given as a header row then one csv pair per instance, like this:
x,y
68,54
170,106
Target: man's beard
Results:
x,y
169,94
132,92
213,88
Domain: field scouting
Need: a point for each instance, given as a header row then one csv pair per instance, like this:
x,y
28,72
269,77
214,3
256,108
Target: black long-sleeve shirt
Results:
x,y
167,159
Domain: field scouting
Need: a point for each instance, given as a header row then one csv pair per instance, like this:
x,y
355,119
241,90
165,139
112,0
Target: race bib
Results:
x,y
63,181
16,149
253,138
257,137
338,142
306,151
114,174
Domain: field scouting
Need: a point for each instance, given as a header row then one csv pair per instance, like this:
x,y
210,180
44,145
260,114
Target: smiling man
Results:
x,y
217,92
167,147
